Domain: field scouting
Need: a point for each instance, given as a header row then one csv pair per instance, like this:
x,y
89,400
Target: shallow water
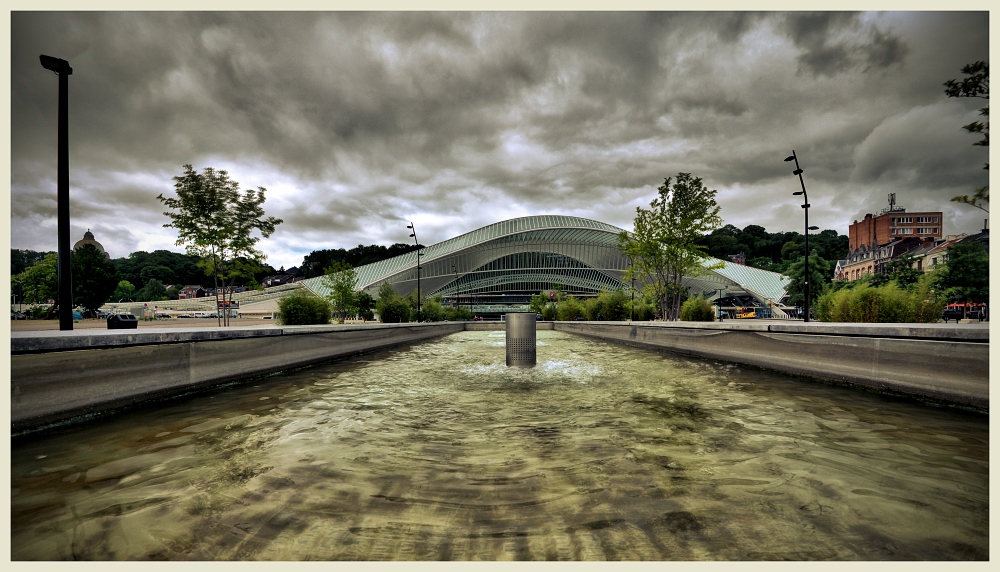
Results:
x,y
438,451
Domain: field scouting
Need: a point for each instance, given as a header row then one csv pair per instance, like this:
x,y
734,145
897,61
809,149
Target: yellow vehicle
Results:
x,y
745,313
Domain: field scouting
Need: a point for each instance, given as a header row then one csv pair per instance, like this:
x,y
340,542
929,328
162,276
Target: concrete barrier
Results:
x,y
60,375
949,363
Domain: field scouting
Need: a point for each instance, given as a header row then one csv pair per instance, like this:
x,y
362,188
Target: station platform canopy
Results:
x,y
505,263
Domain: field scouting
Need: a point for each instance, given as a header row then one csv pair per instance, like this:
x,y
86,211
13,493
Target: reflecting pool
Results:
x,y
438,451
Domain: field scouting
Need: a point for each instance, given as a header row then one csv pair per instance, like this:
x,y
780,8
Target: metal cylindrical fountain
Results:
x,y
521,340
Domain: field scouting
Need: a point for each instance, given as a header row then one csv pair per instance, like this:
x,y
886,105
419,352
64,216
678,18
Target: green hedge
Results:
x,y
883,304
303,308
696,309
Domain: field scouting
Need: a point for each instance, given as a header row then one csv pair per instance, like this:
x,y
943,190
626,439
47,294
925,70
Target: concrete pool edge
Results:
x,y
57,376
923,360
73,376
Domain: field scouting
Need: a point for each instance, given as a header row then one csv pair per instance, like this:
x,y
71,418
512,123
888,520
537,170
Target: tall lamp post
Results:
x,y
64,272
417,244
805,205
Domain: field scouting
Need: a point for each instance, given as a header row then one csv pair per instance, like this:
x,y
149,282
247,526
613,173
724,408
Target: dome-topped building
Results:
x,y
88,238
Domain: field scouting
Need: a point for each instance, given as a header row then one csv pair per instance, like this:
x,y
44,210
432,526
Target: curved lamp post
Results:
x,y
417,244
805,205
64,272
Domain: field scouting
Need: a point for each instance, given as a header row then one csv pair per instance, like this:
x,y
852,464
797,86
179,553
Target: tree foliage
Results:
x,y
889,303
216,222
663,247
977,85
21,260
94,278
39,282
966,276
773,251
302,308
124,292
365,305
316,262
390,306
819,273
341,280
153,291
697,309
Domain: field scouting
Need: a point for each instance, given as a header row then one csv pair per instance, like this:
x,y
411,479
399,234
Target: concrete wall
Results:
x,y
949,363
60,375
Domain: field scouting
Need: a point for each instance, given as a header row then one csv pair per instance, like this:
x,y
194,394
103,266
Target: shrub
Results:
x,y
549,313
303,308
453,314
882,304
697,309
430,311
607,305
569,309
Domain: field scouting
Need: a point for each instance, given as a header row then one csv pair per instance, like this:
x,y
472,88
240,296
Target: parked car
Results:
x,y
952,313
162,315
17,316
185,316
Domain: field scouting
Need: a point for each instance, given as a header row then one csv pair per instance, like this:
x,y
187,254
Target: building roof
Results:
x,y
557,229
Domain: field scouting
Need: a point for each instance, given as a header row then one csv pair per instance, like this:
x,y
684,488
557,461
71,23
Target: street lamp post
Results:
x,y
417,244
805,205
64,272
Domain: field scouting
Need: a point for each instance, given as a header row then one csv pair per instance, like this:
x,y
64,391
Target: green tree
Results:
x,y
570,309
124,292
94,278
390,306
341,280
40,282
365,304
663,247
303,308
431,310
153,291
901,271
976,85
538,302
215,221
697,309
966,275
818,270
21,260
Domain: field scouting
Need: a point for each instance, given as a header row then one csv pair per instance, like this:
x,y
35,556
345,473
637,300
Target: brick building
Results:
x,y
876,239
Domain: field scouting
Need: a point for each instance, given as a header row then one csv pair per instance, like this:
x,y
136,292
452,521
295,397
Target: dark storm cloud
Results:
x,y
360,122
834,42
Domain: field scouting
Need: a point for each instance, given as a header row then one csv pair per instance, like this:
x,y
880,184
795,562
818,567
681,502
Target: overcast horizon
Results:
x,y
357,123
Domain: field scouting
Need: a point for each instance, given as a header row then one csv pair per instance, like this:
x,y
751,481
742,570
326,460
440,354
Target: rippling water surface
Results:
x,y
439,452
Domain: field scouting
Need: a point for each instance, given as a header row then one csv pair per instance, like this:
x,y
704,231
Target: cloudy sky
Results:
x,y
357,123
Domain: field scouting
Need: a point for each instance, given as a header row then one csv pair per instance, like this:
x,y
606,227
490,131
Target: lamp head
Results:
x,y
411,236
813,228
55,64
790,158
797,193
797,172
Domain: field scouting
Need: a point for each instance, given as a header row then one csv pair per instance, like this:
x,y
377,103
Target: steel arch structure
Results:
x,y
503,264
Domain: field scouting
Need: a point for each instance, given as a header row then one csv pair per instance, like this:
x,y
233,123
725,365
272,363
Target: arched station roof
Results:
x,y
532,253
